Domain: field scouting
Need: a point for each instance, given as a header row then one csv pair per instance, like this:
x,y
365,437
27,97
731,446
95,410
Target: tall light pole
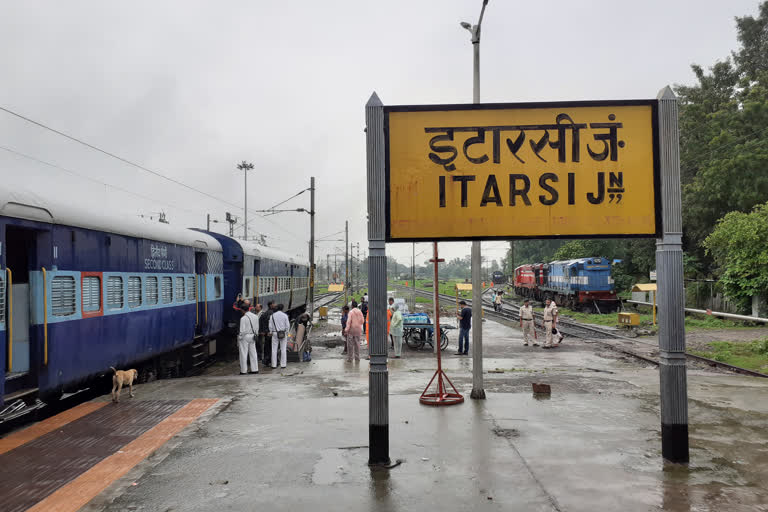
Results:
x,y
245,167
478,391
346,261
311,246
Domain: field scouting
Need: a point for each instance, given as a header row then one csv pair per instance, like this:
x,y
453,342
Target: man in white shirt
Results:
x,y
246,340
550,321
279,324
526,323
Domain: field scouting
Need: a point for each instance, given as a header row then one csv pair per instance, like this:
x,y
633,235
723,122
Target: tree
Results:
x,y
739,245
724,137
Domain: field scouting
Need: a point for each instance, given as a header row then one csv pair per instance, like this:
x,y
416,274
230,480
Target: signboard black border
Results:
x,y
653,103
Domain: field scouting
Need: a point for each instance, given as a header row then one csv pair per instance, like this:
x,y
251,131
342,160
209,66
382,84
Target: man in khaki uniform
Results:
x,y
526,323
550,320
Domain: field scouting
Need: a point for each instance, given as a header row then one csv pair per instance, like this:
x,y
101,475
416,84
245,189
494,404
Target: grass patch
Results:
x,y
752,356
447,286
692,322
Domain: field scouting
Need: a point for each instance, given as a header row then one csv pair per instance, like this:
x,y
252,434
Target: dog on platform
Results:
x,y
121,378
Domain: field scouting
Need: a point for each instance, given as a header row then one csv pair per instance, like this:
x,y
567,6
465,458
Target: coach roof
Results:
x,y
32,206
261,252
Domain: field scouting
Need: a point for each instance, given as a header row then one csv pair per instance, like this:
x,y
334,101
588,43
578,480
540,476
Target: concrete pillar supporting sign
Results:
x,y
378,376
671,298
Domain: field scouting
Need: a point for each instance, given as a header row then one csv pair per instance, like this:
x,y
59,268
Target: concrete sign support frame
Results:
x,y
669,267
378,376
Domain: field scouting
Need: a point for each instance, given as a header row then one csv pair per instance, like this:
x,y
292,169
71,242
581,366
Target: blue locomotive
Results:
x,y
582,284
80,292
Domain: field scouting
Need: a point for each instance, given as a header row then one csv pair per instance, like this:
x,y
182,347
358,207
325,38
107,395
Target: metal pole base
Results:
x,y
674,443
477,394
378,438
443,396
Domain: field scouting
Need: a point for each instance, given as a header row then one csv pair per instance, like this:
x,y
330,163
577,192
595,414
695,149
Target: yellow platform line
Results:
x,y
90,484
49,425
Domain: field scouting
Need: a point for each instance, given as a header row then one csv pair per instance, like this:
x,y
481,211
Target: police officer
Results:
x,y
550,320
526,323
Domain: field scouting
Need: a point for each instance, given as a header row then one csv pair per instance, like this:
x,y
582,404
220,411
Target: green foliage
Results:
x,y
724,138
739,245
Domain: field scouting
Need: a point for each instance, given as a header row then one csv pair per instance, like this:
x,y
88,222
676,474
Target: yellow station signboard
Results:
x,y
463,172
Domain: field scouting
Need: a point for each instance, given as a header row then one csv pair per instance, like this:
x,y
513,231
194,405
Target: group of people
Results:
x,y
258,331
550,325
354,323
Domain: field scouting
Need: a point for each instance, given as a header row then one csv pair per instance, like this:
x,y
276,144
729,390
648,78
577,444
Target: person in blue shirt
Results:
x,y
465,324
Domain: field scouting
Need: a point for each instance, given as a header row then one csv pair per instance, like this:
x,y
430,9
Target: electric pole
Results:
x,y
245,167
478,390
312,247
346,261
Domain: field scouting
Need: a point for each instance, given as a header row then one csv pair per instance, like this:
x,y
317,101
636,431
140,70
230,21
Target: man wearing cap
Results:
x,y
465,324
550,320
526,323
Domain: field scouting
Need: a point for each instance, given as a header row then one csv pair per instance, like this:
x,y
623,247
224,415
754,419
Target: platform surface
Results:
x,y
297,440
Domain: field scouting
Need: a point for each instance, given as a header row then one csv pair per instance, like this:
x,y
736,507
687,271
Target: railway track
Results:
x,y
510,313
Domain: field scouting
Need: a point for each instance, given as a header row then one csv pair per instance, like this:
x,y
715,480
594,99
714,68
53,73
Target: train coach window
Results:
x,y
151,291
247,288
134,291
114,292
191,288
180,289
217,286
167,290
91,293
63,296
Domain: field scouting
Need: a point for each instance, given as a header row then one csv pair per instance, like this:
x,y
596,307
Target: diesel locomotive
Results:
x,y
583,284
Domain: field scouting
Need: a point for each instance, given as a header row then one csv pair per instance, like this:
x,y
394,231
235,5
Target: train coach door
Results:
x,y
201,269
20,258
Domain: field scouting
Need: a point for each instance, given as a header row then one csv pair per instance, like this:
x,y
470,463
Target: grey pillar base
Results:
x,y
477,394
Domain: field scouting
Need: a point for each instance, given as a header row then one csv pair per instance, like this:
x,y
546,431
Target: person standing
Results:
x,y
390,311
465,324
364,310
550,321
344,316
279,325
354,331
246,340
256,310
265,336
396,330
497,301
526,323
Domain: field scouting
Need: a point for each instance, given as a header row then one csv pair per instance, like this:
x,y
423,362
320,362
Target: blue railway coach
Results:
x,y
81,292
584,283
262,274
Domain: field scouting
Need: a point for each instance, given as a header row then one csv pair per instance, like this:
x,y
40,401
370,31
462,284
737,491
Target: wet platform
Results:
x,y
297,440
63,462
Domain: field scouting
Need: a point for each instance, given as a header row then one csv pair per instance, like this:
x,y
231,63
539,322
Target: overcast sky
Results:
x,y
190,88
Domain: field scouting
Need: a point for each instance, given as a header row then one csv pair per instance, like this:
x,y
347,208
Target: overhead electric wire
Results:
x,y
283,202
138,166
99,182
